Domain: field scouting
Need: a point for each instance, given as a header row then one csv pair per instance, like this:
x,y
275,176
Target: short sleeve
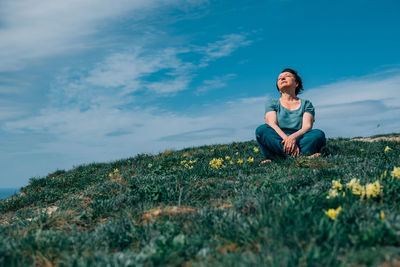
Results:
x,y
308,107
271,105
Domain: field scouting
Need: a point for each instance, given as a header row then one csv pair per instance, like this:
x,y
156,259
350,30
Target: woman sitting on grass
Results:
x,y
288,123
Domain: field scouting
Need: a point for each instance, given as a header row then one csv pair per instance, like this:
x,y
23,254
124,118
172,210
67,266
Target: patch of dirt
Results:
x,y
380,138
190,153
222,206
391,263
232,247
5,219
167,152
314,163
226,206
50,210
152,214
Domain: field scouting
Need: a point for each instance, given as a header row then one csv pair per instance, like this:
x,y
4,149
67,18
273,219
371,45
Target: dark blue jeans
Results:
x,y
270,142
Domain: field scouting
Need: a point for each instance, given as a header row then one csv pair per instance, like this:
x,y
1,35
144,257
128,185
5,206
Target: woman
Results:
x,y
288,123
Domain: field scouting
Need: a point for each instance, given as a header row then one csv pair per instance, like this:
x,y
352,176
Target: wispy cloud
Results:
x,y
361,106
9,110
114,80
34,30
223,47
216,82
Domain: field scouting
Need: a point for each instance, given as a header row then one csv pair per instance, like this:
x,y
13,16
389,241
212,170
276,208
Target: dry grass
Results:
x,y
232,247
314,163
188,154
376,139
153,214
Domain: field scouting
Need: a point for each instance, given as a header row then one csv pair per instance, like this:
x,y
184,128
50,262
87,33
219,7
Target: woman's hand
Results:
x,y
289,144
296,152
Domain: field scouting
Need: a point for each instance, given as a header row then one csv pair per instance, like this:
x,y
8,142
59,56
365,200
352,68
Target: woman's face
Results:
x,y
286,81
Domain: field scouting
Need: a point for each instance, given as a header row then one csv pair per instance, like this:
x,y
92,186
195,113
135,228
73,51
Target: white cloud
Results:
x,y
362,106
223,48
114,81
96,130
9,110
121,69
170,86
123,73
38,29
216,82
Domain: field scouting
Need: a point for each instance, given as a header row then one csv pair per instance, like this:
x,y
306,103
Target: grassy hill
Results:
x,y
212,205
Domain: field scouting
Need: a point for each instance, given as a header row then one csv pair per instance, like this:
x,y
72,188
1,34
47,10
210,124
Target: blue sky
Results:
x,y
96,81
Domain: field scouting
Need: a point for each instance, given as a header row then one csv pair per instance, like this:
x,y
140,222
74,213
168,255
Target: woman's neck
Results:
x,y
289,97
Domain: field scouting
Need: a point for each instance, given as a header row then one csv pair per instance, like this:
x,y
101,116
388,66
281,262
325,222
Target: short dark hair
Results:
x,y
297,78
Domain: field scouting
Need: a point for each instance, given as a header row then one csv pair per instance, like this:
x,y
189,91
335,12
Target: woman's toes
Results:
x,y
314,155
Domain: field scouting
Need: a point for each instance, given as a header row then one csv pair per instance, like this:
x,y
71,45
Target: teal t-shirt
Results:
x,y
289,119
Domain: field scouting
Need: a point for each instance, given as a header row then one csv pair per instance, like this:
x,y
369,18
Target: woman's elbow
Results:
x,y
270,123
307,126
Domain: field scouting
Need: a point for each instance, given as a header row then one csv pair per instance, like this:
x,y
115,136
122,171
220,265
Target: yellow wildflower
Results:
x,y
387,149
240,161
183,162
110,175
231,162
396,172
190,167
343,194
186,165
382,215
227,158
237,153
116,170
333,213
372,190
358,190
337,185
250,159
216,163
255,149
362,149
149,165
332,193
353,182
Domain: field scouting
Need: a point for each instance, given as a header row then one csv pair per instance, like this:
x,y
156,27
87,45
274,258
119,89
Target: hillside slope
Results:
x,y
212,205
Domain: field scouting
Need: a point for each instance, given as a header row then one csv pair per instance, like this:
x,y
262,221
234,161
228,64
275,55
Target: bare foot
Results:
x,y
314,155
264,161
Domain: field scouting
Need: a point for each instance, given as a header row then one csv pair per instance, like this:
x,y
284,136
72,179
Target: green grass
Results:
x,y
156,211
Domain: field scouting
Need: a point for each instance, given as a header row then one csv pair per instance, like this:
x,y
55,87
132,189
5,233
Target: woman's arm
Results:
x,y
271,120
308,121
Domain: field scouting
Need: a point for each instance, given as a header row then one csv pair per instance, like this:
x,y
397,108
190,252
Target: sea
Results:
x,y
7,192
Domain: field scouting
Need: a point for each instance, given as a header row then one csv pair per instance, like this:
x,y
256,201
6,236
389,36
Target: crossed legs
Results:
x,y
271,146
